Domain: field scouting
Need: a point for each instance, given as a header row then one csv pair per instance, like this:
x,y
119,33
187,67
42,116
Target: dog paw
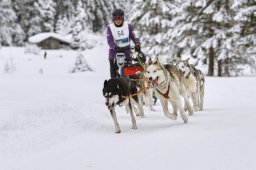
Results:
x,y
152,109
184,118
118,131
134,127
190,112
196,108
172,116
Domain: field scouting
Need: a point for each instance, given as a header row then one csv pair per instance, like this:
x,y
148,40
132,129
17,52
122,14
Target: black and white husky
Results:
x,y
194,81
117,92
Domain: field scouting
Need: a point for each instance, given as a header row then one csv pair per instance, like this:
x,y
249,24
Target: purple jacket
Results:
x,y
112,45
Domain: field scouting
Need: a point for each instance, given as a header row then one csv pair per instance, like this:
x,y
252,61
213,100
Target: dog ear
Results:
x,y
157,62
149,61
187,60
105,83
178,63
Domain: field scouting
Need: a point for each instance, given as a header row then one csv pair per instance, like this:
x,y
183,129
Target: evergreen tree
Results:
x,y
64,26
10,31
27,16
81,64
99,12
79,25
64,9
245,28
152,18
35,16
47,11
202,30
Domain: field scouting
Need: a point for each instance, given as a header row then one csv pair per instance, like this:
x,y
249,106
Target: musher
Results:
x,y
119,34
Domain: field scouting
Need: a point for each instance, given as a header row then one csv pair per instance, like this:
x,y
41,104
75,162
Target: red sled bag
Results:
x,y
129,70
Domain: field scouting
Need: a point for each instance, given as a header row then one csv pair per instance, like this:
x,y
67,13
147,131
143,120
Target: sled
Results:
x,y
132,69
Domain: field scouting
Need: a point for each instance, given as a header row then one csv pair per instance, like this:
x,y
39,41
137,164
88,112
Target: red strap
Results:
x,y
166,93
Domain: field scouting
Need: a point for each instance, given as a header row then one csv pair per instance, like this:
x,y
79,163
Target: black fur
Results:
x,y
121,87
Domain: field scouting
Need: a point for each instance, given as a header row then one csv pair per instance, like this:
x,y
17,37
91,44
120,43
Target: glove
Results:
x,y
120,50
137,48
128,60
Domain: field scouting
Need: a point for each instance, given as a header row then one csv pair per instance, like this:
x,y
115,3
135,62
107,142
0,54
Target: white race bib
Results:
x,y
120,34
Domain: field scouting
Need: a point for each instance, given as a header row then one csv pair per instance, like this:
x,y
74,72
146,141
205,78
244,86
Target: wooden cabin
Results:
x,y
50,40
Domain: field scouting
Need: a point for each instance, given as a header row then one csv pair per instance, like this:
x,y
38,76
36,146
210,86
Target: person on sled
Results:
x,y
119,34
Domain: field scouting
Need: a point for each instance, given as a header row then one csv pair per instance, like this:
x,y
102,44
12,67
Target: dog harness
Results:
x,y
166,93
166,80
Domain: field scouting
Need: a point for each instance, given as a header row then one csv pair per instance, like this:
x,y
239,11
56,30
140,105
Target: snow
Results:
x,y
42,36
58,121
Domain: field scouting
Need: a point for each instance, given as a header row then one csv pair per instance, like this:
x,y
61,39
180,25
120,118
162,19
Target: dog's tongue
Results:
x,y
155,82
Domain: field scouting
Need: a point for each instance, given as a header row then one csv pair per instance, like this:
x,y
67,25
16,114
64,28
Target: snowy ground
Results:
x,y
57,121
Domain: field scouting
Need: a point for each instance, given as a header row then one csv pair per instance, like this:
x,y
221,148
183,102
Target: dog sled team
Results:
x,y
132,86
170,84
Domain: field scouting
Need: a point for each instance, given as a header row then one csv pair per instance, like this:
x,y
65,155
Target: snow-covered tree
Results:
x,y
245,17
64,10
202,30
35,16
99,12
79,26
10,31
28,16
47,12
152,18
64,26
81,64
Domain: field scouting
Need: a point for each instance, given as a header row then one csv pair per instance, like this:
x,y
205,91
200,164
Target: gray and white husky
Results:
x,y
194,82
167,85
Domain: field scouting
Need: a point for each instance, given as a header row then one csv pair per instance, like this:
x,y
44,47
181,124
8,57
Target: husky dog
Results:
x,y
194,82
117,92
145,96
166,82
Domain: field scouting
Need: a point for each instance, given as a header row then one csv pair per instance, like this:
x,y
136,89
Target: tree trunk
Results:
x,y
219,68
211,62
226,67
226,5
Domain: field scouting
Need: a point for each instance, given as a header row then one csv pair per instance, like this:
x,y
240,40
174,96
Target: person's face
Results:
x,y
118,20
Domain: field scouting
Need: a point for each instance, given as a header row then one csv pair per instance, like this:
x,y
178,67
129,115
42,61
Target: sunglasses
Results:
x,y
118,18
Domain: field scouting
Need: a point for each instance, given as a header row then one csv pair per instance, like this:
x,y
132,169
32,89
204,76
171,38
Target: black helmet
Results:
x,y
118,12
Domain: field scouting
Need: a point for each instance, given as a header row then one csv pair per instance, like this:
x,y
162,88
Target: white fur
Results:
x,y
161,79
194,85
113,100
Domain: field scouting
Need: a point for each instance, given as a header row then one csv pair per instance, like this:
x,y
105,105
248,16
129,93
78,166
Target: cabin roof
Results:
x,y
43,36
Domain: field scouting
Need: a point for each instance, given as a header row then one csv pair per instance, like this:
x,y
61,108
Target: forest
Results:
x,y
217,34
